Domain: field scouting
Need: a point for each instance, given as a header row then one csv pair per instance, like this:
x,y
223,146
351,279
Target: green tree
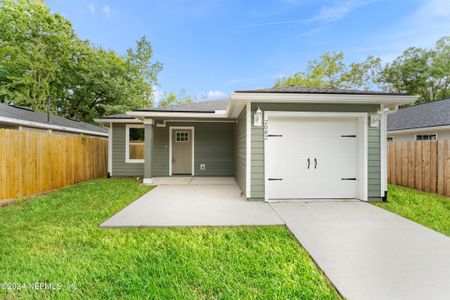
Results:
x,y
41,57
170,98
330,71
420,72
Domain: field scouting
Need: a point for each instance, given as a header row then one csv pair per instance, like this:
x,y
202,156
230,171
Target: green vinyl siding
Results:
x,y
257,142
119,166
240,150
213,146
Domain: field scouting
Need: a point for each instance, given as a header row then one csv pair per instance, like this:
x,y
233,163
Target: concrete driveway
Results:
x,y
370,253
366,252
194,201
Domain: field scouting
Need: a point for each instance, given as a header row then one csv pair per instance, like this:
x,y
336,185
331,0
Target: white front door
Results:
x,y
312,157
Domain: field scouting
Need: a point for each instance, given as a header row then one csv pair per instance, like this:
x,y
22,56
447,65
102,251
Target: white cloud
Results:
x,y
330,13
157,95
91,8
106,10
422,28
339,10
212,95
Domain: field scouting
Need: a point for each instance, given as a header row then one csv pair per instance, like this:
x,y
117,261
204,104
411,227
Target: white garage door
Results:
x,y
312,157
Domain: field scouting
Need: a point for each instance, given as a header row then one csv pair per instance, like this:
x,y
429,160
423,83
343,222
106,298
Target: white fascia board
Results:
x,y
421,129
153,114
324,98
100,120
50,126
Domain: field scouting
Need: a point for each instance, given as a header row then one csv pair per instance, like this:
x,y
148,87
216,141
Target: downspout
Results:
x,y
387,111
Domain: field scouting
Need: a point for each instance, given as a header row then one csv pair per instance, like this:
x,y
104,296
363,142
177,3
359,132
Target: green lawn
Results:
x,y
55,239
428,209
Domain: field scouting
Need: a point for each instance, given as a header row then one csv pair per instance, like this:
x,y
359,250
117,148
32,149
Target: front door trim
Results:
x,y
171,128
362,145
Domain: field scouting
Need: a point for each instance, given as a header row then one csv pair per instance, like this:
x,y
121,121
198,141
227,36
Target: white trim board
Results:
x,y
383,152
171,128
362,144
127,144
324,98
248,154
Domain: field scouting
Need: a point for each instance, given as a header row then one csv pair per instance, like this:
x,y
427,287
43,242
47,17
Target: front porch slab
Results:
x,y
212,201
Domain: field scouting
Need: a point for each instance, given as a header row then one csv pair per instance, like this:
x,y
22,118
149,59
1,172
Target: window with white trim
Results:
x,y
135,143
182,136
426,137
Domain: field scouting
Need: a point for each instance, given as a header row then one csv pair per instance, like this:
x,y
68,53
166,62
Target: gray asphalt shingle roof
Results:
x,y
25,114
212,105
314,90
429,114
204,106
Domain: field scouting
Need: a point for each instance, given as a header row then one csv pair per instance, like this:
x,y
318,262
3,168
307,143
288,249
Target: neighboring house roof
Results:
x,y
315,90
13,114
430,114
204,106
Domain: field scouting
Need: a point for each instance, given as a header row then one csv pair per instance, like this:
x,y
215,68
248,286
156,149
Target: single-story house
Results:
x,y
22,118
425,121
278,143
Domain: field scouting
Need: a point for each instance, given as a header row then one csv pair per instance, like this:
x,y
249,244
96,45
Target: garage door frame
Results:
x,y
362,144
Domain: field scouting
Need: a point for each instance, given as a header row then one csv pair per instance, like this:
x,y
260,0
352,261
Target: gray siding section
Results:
x,y
213,146
119,166
240,150
257,138
374,163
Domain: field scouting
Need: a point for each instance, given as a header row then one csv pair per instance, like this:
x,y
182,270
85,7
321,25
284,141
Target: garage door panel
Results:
x,y
331,146
311,188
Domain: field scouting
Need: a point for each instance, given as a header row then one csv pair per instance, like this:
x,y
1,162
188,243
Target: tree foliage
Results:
x,y
423,72
420,72
42,57
170,98
330,71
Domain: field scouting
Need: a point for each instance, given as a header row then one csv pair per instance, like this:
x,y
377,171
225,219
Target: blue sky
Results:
x,y
215,47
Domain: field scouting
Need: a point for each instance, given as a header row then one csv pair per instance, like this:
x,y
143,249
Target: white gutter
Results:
x,y
157,114
50,126
106,120
324,98
420,129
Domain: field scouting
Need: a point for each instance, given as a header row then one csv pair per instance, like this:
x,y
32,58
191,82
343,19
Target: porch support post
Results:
x,y
148,151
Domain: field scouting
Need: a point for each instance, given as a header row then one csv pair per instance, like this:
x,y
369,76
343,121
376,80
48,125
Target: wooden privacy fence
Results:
x,y
36,162
422,165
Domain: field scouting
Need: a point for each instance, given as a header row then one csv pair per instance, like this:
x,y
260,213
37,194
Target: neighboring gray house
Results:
x,y
425,121
278,143
22,118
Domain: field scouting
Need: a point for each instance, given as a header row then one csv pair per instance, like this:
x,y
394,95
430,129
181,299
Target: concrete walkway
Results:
x,y
370,253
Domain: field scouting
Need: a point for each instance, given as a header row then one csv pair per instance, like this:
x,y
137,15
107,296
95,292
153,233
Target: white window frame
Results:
x,y
127,143
188,136
435,134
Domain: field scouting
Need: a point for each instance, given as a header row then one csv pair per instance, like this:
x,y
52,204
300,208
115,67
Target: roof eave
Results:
x,y
117,120
51,126
324,98
173,114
